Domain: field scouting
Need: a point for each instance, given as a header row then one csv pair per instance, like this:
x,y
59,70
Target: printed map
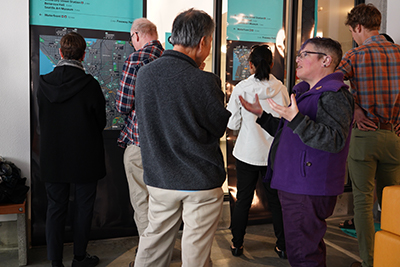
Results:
x,y
104,60
241,62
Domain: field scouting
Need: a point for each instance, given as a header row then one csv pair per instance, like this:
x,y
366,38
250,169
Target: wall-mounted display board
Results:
x,y
105,25
105,56
254,21
86,14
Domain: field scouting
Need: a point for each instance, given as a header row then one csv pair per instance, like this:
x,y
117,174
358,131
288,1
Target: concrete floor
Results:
x,y
342,249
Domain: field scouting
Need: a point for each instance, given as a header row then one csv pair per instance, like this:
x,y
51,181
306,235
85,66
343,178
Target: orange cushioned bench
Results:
x,y
387,241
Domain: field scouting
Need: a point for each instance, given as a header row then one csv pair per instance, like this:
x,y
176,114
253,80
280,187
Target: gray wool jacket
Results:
x,y
181,118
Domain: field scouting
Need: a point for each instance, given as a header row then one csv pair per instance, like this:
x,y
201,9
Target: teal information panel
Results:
x,y
86,14
104,24
254,21
168,45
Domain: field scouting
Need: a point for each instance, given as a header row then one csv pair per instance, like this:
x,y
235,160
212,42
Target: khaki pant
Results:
x,y
137,189
200,212
373,155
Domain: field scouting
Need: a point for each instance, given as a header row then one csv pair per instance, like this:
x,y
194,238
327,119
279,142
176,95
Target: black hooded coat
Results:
x,y
72,118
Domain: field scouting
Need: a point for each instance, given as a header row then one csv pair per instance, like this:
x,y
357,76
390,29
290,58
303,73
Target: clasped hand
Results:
x,y
365,124
362,121
287,113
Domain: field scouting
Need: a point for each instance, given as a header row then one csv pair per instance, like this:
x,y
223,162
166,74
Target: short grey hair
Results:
x,y
144,26
190,26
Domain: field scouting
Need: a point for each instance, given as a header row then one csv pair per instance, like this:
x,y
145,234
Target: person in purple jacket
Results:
x,y
307,161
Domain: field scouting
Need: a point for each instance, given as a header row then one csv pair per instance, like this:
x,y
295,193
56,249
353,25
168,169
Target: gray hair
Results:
x,y
190,26
144,26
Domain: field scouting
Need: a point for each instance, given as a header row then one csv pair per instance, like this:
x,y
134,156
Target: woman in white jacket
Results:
x,y
252,145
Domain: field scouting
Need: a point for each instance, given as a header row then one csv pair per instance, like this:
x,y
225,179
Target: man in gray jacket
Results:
x,y
181,118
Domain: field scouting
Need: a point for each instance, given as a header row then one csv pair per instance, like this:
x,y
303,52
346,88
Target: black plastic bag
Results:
x,y
12,187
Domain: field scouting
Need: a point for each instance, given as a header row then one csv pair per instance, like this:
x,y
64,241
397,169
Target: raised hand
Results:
x,y
287,113
254,108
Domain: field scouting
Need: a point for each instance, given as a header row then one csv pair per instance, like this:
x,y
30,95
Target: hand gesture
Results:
x,y
363,122
287,113
397,129
254,108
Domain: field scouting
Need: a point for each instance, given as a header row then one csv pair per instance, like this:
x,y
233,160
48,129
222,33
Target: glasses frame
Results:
x,y
303,54
130,39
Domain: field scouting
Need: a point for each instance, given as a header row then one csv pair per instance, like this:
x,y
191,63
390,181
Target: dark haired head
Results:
x,y
190,26
261,58
365,15
73,46
328,46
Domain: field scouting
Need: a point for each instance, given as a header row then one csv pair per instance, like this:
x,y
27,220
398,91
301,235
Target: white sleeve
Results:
x,y
234,107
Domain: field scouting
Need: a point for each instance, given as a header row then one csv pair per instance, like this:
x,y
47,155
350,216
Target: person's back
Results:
x,y
181,118
248,145
184,136
144,38
374,156
72,118
373,82
252,145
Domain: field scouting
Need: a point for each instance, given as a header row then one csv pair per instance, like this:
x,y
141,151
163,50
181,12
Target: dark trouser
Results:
x,y
276,210
57,208
247,176
304,221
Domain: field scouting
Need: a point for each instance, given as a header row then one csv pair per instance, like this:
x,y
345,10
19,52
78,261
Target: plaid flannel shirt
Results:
x,y
374,73
125,100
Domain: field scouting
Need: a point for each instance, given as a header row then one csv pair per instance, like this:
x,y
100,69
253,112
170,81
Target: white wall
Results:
x,y
14,85
162,13
393,8
381,5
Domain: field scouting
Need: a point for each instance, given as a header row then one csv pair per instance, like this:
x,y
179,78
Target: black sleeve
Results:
x,y
269,123
331,127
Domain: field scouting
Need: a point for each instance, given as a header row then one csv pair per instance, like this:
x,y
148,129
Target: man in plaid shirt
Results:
x,y
143,37
373,69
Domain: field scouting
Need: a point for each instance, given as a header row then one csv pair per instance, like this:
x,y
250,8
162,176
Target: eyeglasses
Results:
x,y
130,39
303,54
